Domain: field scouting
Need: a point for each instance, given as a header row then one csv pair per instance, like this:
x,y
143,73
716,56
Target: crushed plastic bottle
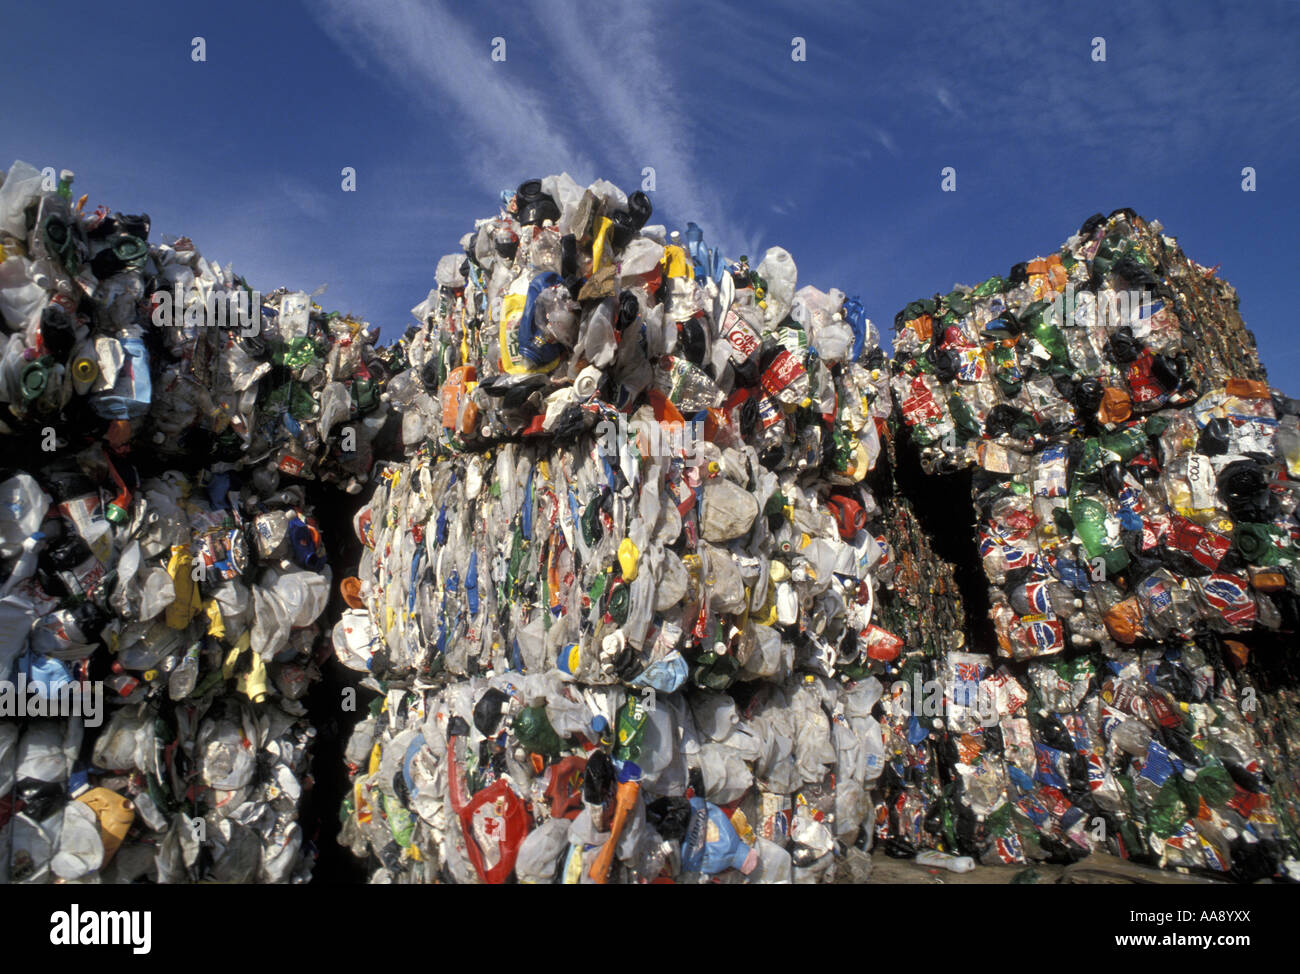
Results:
x,y
162,572
626,573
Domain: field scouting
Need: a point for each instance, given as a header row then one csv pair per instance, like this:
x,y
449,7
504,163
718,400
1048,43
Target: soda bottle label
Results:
x,y
1200,476
1036,595
919,406
971,366
769,413
742,338
783,371
1231,598
1156,594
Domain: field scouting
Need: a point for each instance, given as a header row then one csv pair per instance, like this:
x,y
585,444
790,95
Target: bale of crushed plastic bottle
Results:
x,y
619,597
1132,485
162,571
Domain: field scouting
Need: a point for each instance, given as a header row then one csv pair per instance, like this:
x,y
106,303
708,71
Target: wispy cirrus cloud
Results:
x,y
500,122
309,201
621,75
526,117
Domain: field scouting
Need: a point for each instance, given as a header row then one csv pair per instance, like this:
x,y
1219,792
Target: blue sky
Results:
x,y
836,158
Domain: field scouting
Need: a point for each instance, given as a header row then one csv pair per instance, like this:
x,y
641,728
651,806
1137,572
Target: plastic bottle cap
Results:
x,y
34,379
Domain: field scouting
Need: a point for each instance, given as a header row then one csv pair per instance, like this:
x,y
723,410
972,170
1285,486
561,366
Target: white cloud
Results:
x,y
502,125
310,202
604,104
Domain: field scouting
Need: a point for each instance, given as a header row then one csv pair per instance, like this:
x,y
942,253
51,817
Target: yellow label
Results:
x,y
742,827
573,867
216,624
512,309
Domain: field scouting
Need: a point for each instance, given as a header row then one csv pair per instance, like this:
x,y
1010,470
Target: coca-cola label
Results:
x,y
785,368
920,407
1211,548
291,465
742,338
1143,386
1200,543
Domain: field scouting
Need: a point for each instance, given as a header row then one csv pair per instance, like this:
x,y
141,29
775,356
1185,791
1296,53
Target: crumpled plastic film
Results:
x,y
158,548
619,598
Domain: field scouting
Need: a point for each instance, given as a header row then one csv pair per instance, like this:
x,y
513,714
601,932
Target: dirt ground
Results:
x,y
878,868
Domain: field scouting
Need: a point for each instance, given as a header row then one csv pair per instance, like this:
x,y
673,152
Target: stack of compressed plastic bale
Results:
x,y
296,395
921,604
1120,500
619,598
1156,758
1131,478
161,568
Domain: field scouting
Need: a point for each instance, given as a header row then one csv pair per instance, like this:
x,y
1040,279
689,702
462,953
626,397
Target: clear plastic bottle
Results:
x,y
181,681
686,386
1169,606
1189,490
1043,595
1132,737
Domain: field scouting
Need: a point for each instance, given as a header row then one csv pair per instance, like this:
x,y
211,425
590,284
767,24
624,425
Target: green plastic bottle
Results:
x,y
1046,333
532,728
968,427
994,285
630,728
1125,443
1089,518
